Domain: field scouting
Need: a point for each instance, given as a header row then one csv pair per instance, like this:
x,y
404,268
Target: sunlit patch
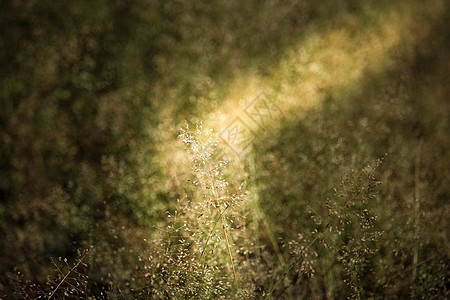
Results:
x,y
329,59
326,59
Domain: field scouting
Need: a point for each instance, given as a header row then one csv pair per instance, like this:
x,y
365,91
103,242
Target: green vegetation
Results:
x,y
115,181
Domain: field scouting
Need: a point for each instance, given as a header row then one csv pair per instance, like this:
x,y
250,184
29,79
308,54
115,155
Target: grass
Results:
x,y
342,193
200,157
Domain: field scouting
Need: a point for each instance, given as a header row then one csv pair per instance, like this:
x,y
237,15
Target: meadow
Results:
x,y
224,149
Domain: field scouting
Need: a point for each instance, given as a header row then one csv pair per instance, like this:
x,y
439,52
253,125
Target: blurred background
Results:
x,y
92,97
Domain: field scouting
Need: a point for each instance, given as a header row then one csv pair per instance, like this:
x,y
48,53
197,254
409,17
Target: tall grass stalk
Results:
x,y
210,176
216,196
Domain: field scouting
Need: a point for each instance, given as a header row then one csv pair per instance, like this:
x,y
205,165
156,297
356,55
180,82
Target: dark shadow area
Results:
x,y
400,116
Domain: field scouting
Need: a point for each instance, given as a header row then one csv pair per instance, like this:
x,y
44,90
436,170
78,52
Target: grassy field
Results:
x,y
224,150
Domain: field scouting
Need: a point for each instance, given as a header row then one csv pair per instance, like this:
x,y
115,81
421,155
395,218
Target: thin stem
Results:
x,y
68,273
210,234
216,196
229,248
261,215
292,265
416,210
